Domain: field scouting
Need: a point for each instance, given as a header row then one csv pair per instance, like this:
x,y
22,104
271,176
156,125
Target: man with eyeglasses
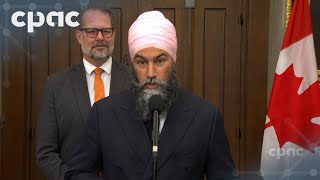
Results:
x,y
70,94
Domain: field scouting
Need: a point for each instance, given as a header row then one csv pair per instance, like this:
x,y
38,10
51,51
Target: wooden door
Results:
x,y
210,65
216,61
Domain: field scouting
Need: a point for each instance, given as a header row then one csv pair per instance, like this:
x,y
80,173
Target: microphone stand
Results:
x,y
155,139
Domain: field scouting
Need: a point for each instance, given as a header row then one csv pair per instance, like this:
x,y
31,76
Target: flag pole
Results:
x,y
288,11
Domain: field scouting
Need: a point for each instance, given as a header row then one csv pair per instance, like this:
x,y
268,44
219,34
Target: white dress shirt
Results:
x,y
162,118
105,76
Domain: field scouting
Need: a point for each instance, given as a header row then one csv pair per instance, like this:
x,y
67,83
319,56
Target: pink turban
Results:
x,y
152,29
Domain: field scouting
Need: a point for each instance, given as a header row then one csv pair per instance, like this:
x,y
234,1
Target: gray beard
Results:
x,y
98,57
167,90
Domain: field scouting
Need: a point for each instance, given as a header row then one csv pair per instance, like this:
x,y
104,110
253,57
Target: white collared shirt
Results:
x,y
162,118
105,76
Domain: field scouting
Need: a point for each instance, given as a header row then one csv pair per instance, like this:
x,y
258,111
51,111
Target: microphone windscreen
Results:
x,y
156,103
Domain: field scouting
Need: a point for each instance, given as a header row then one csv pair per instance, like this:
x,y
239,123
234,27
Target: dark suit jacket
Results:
x,y
192,143
64,111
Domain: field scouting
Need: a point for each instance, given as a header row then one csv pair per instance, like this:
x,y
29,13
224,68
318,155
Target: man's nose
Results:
x,y
99,35
151,70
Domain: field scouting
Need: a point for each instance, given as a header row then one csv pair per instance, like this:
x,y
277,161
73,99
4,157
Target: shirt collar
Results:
x,y
105,66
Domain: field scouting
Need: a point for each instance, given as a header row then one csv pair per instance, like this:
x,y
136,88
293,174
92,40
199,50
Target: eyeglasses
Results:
x,y
93,32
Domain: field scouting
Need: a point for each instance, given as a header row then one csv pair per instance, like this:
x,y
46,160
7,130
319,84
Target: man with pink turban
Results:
x,y
119,138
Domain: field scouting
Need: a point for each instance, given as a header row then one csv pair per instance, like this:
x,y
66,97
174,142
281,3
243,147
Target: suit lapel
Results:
x,y
177,123
135,131
80,88
117,78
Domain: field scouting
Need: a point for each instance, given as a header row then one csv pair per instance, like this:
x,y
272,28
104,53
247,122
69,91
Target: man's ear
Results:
x,y
79,36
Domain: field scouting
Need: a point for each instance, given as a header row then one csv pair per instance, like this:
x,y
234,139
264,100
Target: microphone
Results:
x,y
155,105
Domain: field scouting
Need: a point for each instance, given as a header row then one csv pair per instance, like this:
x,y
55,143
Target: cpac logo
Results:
x,y
279,152
31,23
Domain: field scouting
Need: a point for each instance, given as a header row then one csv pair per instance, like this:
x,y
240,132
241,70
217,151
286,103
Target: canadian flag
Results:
x,y
291,143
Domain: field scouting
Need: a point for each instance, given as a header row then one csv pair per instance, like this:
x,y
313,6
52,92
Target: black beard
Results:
x,y
167,90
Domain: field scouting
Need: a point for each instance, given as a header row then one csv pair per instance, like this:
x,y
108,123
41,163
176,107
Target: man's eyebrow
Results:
x,y
138,57
162,54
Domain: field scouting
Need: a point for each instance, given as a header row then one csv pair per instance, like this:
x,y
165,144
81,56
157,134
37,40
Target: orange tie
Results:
x,y
98,85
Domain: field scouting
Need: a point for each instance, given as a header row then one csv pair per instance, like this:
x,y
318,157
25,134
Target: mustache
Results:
x,y
100,44
152,81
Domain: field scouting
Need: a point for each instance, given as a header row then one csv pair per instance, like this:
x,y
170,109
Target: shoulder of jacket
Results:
x,y
63,74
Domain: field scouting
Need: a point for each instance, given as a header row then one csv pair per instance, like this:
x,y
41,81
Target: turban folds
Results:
x,y
152,29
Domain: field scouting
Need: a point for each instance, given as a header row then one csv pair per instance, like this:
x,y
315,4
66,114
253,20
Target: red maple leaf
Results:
x,y
290,113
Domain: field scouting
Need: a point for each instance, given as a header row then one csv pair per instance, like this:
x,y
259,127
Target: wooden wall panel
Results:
x,y
116,17
214,58
257,78
197,56
255,87
39,70
75,54
14,102
216,62
129,14
58,48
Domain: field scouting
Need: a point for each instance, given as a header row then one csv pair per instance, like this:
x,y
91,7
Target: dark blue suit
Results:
x,y
192,143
